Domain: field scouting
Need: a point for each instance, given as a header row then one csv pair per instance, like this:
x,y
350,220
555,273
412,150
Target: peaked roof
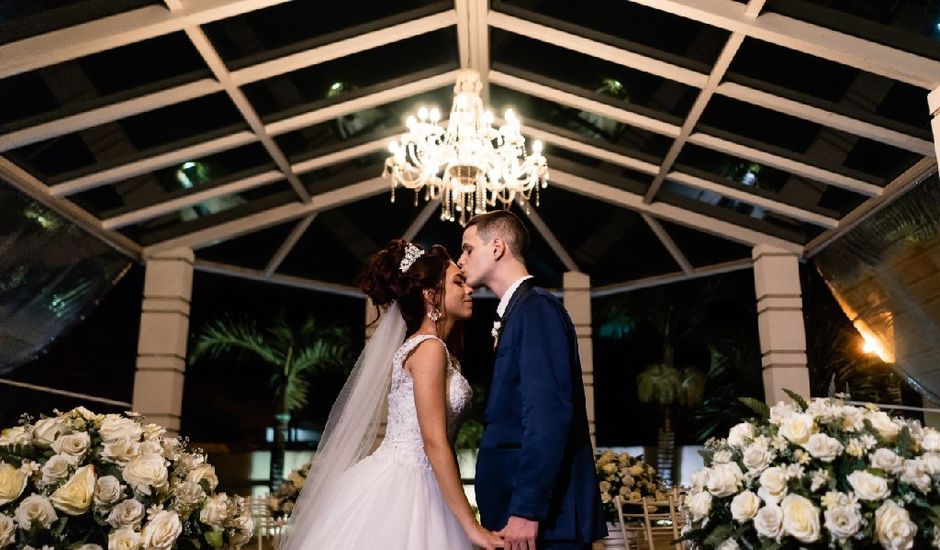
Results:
x,y
679,133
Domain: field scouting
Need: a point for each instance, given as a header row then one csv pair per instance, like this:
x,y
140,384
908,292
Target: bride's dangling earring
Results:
x,y
434,315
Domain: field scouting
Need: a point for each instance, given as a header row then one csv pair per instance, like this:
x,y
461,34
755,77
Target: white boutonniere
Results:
x,y
495,332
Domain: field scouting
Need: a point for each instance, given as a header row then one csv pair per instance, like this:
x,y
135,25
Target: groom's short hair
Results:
x,y
505,225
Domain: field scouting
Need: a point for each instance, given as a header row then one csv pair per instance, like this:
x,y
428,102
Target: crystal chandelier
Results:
x,y
470,165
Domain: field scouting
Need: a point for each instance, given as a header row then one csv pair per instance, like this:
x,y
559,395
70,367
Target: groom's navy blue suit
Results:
x,y
536,459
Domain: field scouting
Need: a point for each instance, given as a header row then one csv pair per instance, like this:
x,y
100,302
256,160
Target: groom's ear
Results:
x,y
499,248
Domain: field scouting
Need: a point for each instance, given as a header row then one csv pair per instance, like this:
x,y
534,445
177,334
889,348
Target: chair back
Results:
x,y
632,527
266,526
663,520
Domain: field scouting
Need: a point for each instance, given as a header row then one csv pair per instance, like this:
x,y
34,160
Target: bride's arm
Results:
x,y
428,368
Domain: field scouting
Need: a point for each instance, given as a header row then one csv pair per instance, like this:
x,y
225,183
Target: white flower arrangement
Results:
x,y
89,481
282,502
822,474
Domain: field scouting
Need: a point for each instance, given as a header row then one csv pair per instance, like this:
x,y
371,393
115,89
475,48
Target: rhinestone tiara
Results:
x,y
412,253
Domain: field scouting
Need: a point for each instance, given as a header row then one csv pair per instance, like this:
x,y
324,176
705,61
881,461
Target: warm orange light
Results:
x,y
871,344
869,347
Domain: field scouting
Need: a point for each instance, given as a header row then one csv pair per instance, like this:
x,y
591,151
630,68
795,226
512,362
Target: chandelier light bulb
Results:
x,y
466,163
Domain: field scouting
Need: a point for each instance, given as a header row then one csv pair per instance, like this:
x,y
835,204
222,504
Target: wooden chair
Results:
x,y
663,521
632,526
266,527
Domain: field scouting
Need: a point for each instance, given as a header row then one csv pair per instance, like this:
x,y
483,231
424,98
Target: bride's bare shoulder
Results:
x,y
428,354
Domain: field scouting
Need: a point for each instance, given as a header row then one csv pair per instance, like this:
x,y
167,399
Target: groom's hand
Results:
x,y
520,533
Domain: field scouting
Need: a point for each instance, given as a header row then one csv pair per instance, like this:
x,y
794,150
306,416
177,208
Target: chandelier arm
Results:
x,y
468,165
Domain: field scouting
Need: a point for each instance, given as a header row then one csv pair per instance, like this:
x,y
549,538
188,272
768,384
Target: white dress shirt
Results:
x,y
504,301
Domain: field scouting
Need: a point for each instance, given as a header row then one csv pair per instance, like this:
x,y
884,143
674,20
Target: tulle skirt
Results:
x,y
385,502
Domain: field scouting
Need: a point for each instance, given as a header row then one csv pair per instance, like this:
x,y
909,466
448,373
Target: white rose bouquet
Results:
x,y
628,477
89,481
822,474
282,502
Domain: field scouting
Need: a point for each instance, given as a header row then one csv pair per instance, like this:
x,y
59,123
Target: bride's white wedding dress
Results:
x,y
390,500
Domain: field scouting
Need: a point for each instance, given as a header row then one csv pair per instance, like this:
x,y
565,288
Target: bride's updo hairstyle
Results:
x,y
383,281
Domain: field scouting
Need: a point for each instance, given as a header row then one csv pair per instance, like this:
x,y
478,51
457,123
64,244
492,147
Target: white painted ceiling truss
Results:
x,y
473,21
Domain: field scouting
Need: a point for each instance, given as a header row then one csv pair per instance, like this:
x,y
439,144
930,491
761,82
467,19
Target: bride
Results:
x,y
407,494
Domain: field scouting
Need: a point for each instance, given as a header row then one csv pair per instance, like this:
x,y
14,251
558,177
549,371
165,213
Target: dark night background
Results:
x,y
227,402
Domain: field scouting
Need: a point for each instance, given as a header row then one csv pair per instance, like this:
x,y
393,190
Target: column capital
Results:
x,y
764,250
776,275
183,253
169,275
933,101
576,280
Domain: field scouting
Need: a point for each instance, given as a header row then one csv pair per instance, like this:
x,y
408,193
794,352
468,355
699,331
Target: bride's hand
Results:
x,y
484,538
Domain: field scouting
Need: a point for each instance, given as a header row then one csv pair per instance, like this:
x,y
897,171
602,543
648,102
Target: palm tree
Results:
x,y
686,315
669,387
292,353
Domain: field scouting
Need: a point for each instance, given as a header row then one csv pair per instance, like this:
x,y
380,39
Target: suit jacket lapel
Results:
x,y
523,287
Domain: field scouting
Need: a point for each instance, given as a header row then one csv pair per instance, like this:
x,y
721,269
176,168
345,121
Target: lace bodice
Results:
x,y
403,434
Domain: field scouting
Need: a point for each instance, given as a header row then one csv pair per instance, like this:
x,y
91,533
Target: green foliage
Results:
x,y
292,353
658,384
718,535
617,326
691,387
734,371
693,315
796,398
471,430
470,434
214,538
759,407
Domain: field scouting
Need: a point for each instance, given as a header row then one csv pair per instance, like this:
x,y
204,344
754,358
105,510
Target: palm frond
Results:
x,y
617,325
281,332
691,387
294,354
759,407
658,384
293,389
320,356
229,336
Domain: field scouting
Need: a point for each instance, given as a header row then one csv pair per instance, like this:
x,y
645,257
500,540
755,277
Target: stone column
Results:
x,y
164,328
577,298
780,322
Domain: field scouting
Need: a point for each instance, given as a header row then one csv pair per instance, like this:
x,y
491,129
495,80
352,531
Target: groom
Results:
x,y
535,480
